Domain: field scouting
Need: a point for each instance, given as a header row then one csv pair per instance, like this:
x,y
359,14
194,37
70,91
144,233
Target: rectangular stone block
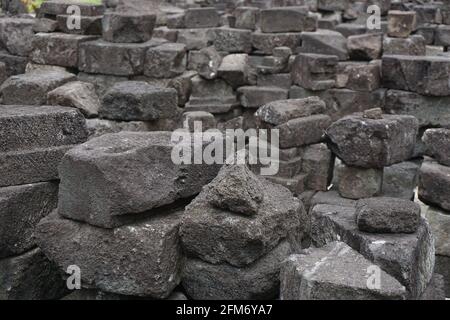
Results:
x,y
91,191
57,49
120,59
326,42
88,25
230,40
427,75
302,131
14,64
287,19
201,18
255,97
16,35
165,61
412,46
140,259
434,184
22,208
266,42
128,27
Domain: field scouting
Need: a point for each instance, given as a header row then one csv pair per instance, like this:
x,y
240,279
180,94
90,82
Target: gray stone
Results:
x,y
22,208
138,100
421,74
372,143
128,27
57,7
266,42
357,183
246,17
435,289
76,94
359,76
366,46
400,180
234,69
88,25
439,221
194,39
120,59
412,46
442,267
255,97
16,35
326,42
387,215
141,259
430,111
407,257
259,280
191,119
165,61
205,61
281,111
14,64
434,184
3,74
443,36
437,144
332,5
45,25
317,163
217,236
236,189
101,82
287,19
314,71
201,18
334,272
57,49
30,276
32,88
98,127
141,159
230,40
401,23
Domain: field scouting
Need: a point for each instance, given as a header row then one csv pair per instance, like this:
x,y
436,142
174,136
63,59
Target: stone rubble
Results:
x,y
87,175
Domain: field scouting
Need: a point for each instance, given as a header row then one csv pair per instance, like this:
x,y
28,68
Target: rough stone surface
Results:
x,y
128,27
437,144
357,183
334,272
90,191
387,215
141,259
165,61
372,143
434,184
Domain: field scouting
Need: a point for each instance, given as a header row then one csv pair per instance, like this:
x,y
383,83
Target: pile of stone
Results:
x,y
304,162
33,143
120,205
236,233
434,188
366,143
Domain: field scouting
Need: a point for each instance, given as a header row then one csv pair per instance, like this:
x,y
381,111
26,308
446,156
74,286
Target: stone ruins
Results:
x,y
93,206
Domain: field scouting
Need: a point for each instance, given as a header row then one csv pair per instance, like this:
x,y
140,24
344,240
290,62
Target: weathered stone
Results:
x,y
334,272
428,31
201,18
98,127
437,143
205,61
32,88
128,27
287,19
30,276
439,221
400,180
317,163
255,97
76,94
443,36
442,267
90,171
236,189
246,17
166,33
407,257
3,73
430,111
434,184
332,5
137,100
141,259
435,290
14,64
359,76
88,25
401,23
412,46
217,236
387,215
296,184
183,85
194,39
303,131
281,80
314,71
102,83
357,183
22,208
266,42
120,59
281,111
420,74
192,118
234,69
427,13
366,46
372,143
230,40
16,35
260,280
54,8
45,25
165,61
331,197
326,42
